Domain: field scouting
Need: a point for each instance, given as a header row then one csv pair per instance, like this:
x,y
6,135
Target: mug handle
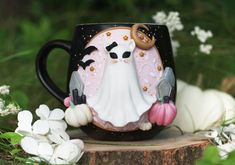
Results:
x,y
41,66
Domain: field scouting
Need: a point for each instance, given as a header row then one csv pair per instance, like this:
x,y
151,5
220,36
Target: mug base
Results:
x,y
99,134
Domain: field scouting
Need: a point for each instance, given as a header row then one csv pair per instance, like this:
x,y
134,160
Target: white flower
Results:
x,y
205,48
37,146
9,109
173,23
160,17
49,120
2,104
47,139
68,152
212,134
4,89
225,149
201,34
224,138
25,119
12,108
230,129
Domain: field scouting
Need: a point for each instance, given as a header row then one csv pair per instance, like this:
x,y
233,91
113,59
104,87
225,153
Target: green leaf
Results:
x,y
210,156
203,162
15,151
230,159
12,136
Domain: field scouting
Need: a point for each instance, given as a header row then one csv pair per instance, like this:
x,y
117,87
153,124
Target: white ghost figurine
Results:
x,y
120,99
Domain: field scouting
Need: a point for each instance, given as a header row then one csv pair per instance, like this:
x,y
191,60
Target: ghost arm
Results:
x,y
165,84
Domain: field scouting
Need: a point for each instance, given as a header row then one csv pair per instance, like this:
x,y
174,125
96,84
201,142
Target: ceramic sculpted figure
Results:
x,y
121,80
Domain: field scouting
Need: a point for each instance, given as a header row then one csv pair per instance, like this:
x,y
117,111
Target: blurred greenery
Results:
x,y
211,157
26,25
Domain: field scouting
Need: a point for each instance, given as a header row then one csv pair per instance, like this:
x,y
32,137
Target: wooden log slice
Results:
x,y
167,148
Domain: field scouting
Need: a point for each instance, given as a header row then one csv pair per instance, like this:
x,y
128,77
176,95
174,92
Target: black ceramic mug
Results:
x,y
120,71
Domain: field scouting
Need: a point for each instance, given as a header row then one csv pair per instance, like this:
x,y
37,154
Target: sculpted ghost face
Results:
x,y
120,53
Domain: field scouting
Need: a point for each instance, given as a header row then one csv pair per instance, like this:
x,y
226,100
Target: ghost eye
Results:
x,y
126,54
113,55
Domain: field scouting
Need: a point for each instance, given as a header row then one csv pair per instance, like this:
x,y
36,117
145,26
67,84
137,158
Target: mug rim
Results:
x,y
117,23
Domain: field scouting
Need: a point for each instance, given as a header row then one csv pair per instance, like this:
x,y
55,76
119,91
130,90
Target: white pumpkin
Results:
x,y
201,110
78,115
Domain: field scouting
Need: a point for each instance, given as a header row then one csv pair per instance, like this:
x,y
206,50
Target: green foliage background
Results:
x,y
26,25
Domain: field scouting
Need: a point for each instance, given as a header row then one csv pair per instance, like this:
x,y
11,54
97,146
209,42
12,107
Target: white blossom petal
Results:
x,y
205,48
230,128
25,116
56,114
43,111
45,150
57,124
4,89
24,122
226,148
58,160
78,142
29,145
41,127
23,131
68,151
58,136
211,134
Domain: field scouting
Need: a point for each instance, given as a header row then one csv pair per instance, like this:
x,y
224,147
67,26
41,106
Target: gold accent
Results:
x,y
92,68
141,36
141,54
139,42
145,88
78,66
125,37
108,33
159,68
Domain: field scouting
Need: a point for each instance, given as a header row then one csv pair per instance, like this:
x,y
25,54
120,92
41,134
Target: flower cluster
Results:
x,y
202,36
46,138
4,90
173,23
224,138
7,106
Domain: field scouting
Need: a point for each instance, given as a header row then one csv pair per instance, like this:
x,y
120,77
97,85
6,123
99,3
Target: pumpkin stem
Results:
x,y
72,104
160,100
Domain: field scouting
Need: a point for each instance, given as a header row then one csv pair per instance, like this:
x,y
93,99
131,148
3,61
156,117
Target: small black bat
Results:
x,y
85,52
88,50
85,64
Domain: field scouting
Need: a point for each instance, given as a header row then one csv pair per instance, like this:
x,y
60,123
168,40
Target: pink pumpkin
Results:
x,y
67,101
162,113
